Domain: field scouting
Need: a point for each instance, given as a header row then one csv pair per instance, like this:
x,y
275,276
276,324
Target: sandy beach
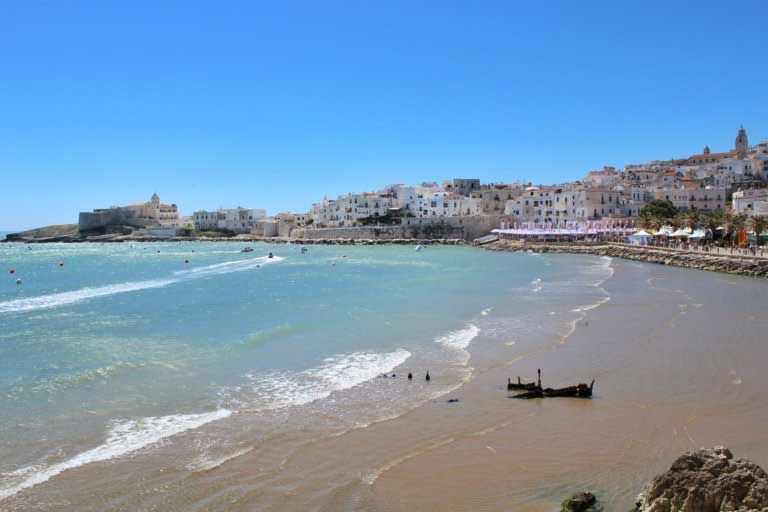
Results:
x,y
677,357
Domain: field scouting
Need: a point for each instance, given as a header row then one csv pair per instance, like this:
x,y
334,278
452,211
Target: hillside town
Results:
x,y
730,182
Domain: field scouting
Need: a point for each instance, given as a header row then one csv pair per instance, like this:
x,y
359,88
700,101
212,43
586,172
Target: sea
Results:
x,y
163,360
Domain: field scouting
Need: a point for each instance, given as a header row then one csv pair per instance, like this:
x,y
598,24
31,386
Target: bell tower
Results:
x,y
742,143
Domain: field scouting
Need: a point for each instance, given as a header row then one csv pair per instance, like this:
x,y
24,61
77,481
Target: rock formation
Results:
x,y
707,480
581,502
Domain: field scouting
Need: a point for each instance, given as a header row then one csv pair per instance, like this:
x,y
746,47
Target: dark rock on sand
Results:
x,y
581,502
707,480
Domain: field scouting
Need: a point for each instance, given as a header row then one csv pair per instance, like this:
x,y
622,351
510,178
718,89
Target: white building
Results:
x,y
751,202
238,220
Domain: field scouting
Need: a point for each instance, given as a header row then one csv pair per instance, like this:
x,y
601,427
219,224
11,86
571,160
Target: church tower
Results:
x,y
742,143
706,150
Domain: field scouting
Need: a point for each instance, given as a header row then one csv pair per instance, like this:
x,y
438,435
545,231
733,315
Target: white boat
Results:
x,y
418,248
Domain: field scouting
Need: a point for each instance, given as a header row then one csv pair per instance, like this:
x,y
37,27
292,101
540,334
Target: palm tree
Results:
x,y
712,221
692,219
758,224
646,221
739,223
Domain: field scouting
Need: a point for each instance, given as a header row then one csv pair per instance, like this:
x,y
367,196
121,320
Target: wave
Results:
x,y
275,390
74,296
123,438
536,285
459,340
486,311
206,464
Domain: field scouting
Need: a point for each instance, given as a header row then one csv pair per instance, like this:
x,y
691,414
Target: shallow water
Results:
x,y
128,361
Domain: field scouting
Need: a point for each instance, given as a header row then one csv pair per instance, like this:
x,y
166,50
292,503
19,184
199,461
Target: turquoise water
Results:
x,y
107,349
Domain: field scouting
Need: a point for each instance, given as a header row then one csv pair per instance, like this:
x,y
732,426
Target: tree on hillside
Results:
x,y
659,208
758,224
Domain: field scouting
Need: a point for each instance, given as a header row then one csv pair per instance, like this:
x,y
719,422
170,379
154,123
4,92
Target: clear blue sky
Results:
x,y
275,104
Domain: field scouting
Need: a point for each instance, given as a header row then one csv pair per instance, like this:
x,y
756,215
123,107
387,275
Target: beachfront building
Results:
x,y
144,214
750,202
447,204
238,220
692,196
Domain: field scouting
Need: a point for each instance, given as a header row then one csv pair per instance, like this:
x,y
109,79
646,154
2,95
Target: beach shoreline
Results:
x,y
651,337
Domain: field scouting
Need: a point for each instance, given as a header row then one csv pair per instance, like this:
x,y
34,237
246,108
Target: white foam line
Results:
x,y
207,465
64,298
74,296
459,339
122,439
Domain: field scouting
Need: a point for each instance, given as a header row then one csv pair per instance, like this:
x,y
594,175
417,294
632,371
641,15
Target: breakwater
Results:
x,y
731,264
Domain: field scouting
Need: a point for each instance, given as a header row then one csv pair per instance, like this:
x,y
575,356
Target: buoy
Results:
x,y
18,281
12,271
158,250
186,261
61,264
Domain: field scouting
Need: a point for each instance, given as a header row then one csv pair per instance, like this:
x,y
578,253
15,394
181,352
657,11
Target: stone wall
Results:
x,y
741,265
91,221
466,228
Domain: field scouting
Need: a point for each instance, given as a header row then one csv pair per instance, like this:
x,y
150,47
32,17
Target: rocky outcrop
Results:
x,y
57,233
732,264
581,502
707,480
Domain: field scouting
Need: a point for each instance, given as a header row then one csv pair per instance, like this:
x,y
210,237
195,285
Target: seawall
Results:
x,y
731,264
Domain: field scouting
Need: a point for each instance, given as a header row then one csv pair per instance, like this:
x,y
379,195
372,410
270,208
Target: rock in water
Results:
x,y
581,502
707,480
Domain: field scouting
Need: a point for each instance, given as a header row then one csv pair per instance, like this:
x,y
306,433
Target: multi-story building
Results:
x,y
750,202
238,220
693,196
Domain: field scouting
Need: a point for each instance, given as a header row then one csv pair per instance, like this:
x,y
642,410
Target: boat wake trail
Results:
x,y
75,296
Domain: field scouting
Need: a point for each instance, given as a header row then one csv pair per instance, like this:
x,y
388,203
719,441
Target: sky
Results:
x,y
277,104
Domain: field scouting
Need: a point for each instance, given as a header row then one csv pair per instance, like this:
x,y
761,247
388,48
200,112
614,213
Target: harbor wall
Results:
x,y
731,264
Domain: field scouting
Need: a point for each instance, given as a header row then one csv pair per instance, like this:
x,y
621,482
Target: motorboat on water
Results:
x,y
247,249
303,250
418,248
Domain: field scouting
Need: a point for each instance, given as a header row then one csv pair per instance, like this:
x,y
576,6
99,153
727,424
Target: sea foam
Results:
x,y
122,439
276,390
460,339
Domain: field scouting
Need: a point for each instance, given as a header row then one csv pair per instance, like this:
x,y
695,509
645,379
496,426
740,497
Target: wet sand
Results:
x,y
678,357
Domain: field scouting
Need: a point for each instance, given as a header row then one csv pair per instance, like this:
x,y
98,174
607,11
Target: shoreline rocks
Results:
x,y
707,480
734,264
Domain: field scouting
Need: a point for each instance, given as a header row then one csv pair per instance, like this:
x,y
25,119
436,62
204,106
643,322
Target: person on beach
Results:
x,y
428,378
410,376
